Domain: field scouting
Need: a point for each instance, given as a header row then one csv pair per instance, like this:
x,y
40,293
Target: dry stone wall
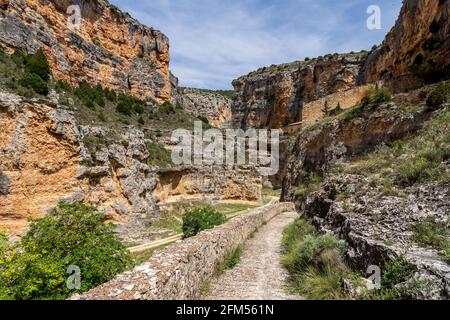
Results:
x,y
179,271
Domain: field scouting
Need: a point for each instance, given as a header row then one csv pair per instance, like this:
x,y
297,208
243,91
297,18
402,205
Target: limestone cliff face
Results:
x,y
110,48
215,107
46,158
273,97
416,49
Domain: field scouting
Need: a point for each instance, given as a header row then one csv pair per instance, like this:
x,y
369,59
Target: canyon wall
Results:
x,y
46,157
209,104
417,49
215,183
273,97
110,48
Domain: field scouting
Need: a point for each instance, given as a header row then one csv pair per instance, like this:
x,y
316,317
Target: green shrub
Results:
x,y
431,233
321,285
72,234
141,121
199,219
168,108
230,261
203,119
158,156
326,108
90,95
396,272
371,95
438,96
380,95
19,58
296,232
336,111
308,252
38,64
34,82
128,104
63,86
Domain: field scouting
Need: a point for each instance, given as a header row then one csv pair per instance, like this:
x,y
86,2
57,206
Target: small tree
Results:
x,y
326,108
200,219
72,234
38,64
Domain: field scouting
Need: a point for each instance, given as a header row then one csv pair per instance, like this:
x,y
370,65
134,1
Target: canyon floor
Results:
x,y
259,274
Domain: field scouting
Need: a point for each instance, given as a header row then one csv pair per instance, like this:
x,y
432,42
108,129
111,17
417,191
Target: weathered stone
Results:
x,y
213,106
4,184
110,48
273,97
415,50
179,271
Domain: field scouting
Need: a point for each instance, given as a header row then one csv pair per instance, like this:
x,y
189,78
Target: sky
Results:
x,y
213,42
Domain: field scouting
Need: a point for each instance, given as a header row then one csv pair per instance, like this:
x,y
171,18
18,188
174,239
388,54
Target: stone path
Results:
x,y
259,275
166,241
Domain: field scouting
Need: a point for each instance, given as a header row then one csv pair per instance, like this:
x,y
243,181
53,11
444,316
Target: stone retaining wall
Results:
x,y
179,271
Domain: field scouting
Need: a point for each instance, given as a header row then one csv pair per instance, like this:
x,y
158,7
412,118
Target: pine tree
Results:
x,y
326,108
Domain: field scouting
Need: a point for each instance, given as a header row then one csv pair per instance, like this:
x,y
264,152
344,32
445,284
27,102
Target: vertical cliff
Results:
x,y
111,48
417,49
212,105
273,97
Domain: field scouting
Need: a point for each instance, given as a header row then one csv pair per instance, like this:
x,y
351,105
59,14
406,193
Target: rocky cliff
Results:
x,y
215,107
357,176
414,52
46,157
110,47
273,97
417,49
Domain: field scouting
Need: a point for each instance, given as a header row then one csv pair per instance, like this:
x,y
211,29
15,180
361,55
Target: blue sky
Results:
x,y
215,41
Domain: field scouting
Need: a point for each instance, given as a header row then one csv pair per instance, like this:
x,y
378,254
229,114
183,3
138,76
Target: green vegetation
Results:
x,y
326,108
37,64
203,119
231,208
230,261
395,272
377,96
336,111
431,233
199,219
158,156
72,234
34,82
314,261
420,159
310,182
29,76
438,96
26,74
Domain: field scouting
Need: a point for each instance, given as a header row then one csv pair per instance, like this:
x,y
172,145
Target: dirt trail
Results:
x,y
259,275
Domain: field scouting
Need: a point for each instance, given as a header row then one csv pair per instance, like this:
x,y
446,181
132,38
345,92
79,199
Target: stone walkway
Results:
x,y
259,275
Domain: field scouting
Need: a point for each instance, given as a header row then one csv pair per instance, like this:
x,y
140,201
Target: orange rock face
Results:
x,y
417,48
274,97
38,161
109,47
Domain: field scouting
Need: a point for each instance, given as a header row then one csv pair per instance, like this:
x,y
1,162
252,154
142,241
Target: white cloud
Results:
x,y
213,41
